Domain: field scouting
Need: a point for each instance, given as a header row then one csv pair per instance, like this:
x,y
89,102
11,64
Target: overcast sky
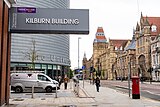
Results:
x,y
117,17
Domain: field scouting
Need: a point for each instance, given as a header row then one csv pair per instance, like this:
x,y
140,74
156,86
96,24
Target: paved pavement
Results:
x,y
88,97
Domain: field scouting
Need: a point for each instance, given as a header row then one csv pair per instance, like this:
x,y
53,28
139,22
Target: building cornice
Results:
x,y
10,2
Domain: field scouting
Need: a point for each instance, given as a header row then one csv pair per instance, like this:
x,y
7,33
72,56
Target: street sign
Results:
x,y
49,20
83,67
78,70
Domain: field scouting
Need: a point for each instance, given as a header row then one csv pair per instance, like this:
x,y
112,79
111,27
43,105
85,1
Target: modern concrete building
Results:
x,y
46,52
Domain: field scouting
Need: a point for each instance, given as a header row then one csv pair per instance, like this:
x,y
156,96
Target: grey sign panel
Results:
x,y
48,20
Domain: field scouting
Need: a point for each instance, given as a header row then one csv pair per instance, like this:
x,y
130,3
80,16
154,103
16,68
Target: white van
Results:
x,y
22,81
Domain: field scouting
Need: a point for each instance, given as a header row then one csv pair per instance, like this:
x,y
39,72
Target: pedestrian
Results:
x,y
93,80
97,82
59,80
66,80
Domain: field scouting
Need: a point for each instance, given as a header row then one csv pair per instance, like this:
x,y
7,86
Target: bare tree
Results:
x,y
32,54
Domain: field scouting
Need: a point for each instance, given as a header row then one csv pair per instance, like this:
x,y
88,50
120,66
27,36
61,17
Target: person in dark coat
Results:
x,y
97,82
59,80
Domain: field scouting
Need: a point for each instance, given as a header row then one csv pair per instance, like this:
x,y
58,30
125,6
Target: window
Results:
x,y
54,67
157,58
121,48
156,45
43,78
49,66
154,60
140,41
44,66
154,28
116,48
37,66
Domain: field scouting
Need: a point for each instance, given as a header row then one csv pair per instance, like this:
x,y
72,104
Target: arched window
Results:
x,y
116,48
154,28
121,48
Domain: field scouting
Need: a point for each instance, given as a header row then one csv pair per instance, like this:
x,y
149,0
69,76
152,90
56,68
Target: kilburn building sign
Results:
x,y
42,20
52,21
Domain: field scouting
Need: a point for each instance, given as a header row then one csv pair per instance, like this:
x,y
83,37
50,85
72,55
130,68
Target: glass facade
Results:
x,y
46,52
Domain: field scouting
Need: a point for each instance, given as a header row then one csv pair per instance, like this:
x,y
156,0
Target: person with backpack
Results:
x,y
97,82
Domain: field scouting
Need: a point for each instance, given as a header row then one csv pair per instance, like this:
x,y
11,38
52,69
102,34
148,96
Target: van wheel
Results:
x,y
18,89
49,89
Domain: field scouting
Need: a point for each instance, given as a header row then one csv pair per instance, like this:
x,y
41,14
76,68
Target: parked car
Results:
x,y
22,81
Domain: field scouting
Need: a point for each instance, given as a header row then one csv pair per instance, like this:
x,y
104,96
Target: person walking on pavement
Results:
x,y
59,80
66,79
93,80
97,82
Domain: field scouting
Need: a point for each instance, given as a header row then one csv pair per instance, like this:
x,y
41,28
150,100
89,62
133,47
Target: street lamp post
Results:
x,y
78,52
78,62
129,75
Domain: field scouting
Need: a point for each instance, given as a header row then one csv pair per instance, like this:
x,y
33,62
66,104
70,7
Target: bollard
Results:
x,y
32,91
56,92
70,84
83,79
75,87
78,89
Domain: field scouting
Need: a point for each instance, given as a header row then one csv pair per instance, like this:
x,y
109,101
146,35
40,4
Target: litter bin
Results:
x,y
135,88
